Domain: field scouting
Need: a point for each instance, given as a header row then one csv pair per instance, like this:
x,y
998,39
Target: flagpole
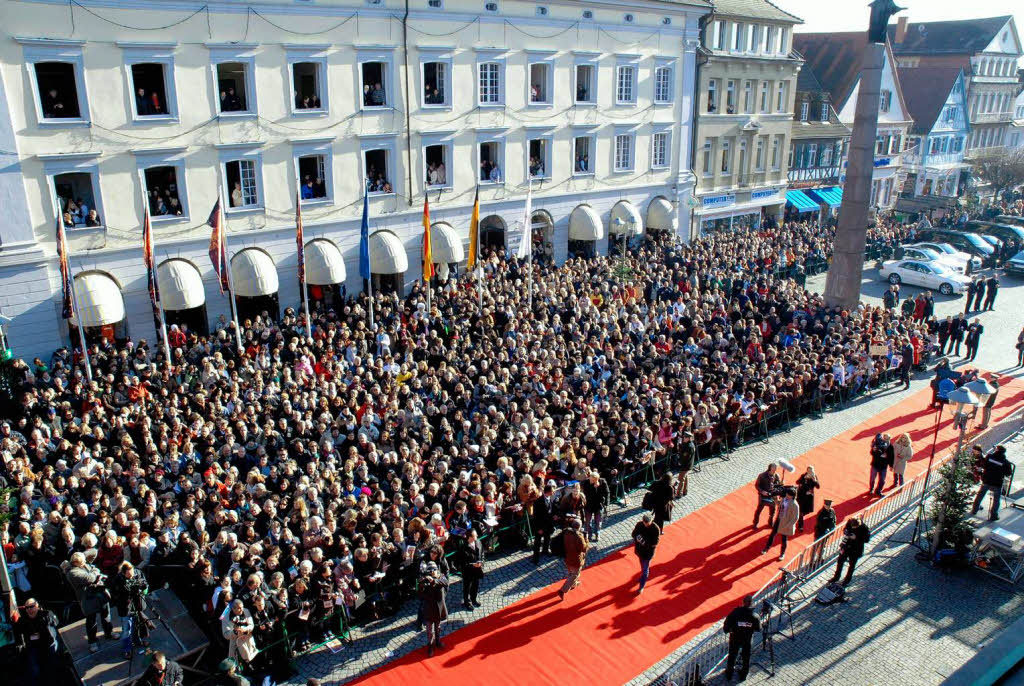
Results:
x,y
227,260
74,295
364,234
528,230
302,257
152,259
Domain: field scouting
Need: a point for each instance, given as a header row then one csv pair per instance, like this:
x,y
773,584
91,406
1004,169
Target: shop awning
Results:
x,y
833,196
181,285
445,244
801,202
324,264
253,273
387,254
585,224
625,218
99,300
660,216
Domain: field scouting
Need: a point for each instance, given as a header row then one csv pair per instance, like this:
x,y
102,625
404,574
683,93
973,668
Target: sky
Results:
x,y
849,15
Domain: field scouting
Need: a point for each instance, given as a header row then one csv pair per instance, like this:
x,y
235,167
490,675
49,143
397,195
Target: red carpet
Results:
x,y
604,634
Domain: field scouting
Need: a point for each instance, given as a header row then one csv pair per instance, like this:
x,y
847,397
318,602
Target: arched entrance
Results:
x,y
254,276
624,224
388,262
492,233
585,230
446,248
183,296
100,309
543,235
325,273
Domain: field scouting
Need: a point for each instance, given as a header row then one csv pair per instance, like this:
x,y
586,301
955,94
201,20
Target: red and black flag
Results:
x,y
218,254
67,304
149,258
299,241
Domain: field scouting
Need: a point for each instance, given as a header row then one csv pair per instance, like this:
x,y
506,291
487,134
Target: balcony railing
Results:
x,y
992,117
814,173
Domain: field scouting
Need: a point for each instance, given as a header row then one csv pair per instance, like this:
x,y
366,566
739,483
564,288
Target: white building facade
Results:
x,y
258,103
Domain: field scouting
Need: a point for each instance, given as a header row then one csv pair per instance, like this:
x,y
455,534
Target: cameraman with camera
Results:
x,y
91,592
769,487
129,590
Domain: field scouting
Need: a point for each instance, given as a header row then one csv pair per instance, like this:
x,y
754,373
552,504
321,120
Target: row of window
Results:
x,y
811,155
941,145
988,103
889,143
60,85
990,66
821,110
987,138
75,188
769,95
740,37
727,148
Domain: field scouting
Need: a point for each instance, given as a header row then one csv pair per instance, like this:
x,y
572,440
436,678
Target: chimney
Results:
x,y
901,29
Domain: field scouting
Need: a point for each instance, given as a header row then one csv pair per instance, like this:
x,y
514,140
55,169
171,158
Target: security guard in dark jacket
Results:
x,y
542,522
995,468
35,634
741,625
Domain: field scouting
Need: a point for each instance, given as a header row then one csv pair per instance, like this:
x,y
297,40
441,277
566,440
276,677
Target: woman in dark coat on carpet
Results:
x,y
433,589
661,500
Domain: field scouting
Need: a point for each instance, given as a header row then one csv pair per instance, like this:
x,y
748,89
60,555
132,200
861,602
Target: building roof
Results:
x,y
803,130
966,36
925,90
834,59
755,9
806,80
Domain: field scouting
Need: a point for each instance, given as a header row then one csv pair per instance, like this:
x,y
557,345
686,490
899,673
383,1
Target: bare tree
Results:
x,y
1003,169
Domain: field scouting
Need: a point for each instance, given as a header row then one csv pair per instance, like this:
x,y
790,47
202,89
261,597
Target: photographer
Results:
x,y
433,589
161,672
35,634
128,590
237,627
90,590
855,536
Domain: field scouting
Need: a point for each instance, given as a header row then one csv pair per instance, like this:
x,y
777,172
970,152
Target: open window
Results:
x,y
540,83
242,185
232,86
374,84
163,189
312,177
306,80
583,155
378,179
539,161
437,166
58,90
436,83
77,200
585,83
491,170
149,81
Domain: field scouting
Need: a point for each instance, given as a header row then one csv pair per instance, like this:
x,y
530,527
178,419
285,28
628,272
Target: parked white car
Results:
x,y
911,252
931,275
952,252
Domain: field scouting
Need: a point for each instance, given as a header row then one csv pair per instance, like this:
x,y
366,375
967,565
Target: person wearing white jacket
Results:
x,y
903,452
237,627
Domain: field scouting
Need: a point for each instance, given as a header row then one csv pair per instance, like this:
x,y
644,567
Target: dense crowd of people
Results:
x,y
313,472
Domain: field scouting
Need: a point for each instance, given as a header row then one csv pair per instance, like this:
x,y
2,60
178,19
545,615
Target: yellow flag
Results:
x,y
474,232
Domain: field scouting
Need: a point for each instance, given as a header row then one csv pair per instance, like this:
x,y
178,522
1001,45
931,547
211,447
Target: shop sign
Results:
x,y
761,195
719,200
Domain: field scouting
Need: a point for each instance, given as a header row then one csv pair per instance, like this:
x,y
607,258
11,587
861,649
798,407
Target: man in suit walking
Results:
x,y
945,327
785,523
991,290
576,547
973,340
956,335
543,521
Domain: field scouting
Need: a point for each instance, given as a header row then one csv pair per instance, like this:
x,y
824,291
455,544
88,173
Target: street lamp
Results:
x,y
961,398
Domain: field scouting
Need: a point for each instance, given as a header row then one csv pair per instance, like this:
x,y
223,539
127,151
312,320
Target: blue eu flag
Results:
x,y
364,240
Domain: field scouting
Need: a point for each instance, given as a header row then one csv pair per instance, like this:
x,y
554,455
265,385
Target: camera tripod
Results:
x,y
767,640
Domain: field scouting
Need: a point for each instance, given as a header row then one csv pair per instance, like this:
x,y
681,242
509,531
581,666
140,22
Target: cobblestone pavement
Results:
x,y
511,577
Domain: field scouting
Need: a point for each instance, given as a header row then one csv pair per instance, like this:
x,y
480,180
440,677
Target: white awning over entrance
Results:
x,y
445,244
181,285
324,264
99,300
585,224
625,218
387,254
254,273
660,216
